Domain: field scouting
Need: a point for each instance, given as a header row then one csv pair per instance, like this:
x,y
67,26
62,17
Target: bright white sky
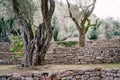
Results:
x,y
107,8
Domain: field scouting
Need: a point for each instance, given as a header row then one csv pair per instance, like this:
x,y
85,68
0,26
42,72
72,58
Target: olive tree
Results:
x,y
35,44
79,12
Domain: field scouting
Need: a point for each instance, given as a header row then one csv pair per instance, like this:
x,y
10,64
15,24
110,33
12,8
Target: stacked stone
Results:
x,y
5,47
89,74
6,55
26,76
6,58
84,55
111,74
103,51
115,42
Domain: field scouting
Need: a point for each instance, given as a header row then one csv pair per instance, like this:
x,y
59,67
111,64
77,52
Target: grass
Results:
x,y
55,68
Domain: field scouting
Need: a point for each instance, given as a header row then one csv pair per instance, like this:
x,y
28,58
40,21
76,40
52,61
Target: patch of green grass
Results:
x,y
67,43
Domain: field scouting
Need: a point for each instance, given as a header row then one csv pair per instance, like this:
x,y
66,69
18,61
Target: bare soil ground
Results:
x,y
54,68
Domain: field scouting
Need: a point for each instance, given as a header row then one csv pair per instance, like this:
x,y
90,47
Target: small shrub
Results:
x,y
75,35
14,58
117,33
17,47
55,28
5,27
108,34
93,34
17,44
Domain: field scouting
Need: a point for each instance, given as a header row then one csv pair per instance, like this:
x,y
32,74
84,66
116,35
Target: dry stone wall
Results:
x,y
84,55
105,51
5,47
6,58
89,74
6,55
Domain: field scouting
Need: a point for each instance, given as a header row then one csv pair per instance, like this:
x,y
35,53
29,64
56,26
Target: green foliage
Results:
x,y
17,44
117,33
96,25
17,47
108,34
116,28
5,28
93,34
6,9
27,9
67,43
112,27
18,55
75,35
55,28
14,58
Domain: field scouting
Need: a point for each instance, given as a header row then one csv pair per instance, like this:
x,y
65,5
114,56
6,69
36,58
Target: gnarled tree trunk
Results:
x,y
81,38
36,45
86,11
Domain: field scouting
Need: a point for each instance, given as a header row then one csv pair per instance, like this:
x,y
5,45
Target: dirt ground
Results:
x,y
54,68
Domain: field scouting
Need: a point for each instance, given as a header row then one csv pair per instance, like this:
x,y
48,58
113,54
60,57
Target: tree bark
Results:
x,y
81,26
36,46
82,38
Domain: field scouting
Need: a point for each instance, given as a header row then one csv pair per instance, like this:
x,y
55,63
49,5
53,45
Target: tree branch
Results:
x,y
44,8
1,1
47,12
94,2
52,8
90,25
71,16
26,26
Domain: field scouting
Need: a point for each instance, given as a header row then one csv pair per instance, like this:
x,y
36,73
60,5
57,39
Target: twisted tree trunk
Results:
x,y
80,25
36,45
